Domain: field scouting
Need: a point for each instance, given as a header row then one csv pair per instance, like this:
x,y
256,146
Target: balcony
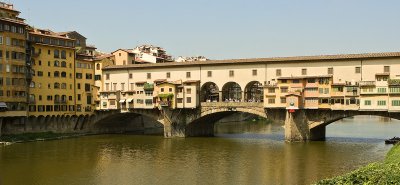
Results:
x,y
338,93
164,103
367,83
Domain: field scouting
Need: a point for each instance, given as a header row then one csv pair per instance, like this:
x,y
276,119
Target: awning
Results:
x,y
121,101
3,105
129,100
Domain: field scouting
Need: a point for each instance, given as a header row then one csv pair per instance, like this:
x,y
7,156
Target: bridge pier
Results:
x,y
1,124
297,128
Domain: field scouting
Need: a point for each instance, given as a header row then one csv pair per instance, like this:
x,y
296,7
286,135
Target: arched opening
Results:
x,y
231,121
129,123
209,92
63,64
56,74
232,92
254,92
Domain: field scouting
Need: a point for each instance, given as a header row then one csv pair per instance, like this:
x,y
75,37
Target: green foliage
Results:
x,y
387,172
169,95
394,81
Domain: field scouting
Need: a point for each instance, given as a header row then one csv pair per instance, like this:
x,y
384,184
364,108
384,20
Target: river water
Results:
x,y
241,153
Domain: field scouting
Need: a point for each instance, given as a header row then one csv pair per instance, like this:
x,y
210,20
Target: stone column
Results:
x,y
296,127
220,97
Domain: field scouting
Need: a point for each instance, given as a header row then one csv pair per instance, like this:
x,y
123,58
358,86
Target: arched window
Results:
x,y
57,98
63,54
56,63
56,53
56,85
32,85
56,74
97,66
63,64
63,74
63,86
63,98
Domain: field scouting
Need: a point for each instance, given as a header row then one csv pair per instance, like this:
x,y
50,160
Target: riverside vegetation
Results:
x,y
386,172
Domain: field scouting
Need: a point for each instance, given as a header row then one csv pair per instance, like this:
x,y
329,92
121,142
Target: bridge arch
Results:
x,y
128,122
209,92
204,125
253,92
232,91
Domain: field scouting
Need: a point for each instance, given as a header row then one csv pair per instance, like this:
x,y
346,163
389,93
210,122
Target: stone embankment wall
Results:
x,y
102,122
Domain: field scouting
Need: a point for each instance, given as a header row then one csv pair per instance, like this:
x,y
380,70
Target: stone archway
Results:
x,y
253,92
232,92
209,92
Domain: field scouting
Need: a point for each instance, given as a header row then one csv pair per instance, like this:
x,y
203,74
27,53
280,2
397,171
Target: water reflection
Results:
x,y
242,153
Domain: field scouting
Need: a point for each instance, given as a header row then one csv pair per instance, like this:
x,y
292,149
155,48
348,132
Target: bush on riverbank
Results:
x,y
34,136
386,172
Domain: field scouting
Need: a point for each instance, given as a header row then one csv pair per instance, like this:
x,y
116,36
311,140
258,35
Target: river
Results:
x,y
241,153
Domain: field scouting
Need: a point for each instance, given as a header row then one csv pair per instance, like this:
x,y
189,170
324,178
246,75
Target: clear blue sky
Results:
x,y
221,29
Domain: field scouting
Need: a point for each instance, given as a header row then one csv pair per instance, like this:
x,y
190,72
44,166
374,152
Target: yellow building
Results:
x,y
53,64
13,89
102,60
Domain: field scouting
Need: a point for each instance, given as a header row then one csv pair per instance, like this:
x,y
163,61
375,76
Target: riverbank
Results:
x,y
386,172
31,137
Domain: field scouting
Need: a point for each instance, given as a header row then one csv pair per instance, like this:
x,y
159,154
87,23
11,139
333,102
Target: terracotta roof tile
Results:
x,y
262,60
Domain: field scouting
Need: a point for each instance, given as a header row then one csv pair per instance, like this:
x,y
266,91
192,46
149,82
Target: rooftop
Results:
x,y
261,60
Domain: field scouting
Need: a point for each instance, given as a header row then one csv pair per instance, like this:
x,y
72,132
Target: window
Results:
x,y
162,89
386,69
381,90
311,80
107,76
358,70
114,86
56,53
79,97
122,86
97,77
254,72
284,89
89,76
87,87
79,75
63,64
107,86
168,75
283,100
396,103
303,71
278,72
130,75
395,89
56,74
271,100
1,39
8,41
148,75
63,54
209,73
330,71
78,86
188,99
187,74
97,66
381,103
40,73
170,90
231,73
271,90
296,81
367,102
188,91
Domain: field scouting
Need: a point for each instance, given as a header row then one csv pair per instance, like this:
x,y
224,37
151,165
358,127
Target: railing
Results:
x,y
232,104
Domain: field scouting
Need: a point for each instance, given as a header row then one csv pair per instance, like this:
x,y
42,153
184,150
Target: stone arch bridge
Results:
x,y
301,125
